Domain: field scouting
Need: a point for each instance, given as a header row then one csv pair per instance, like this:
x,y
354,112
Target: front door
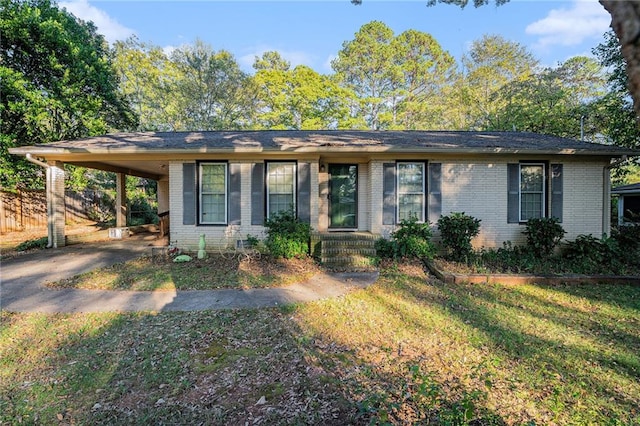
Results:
x,y
343,196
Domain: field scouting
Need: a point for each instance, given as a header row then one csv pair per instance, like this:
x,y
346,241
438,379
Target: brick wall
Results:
x,y
187,236
478,188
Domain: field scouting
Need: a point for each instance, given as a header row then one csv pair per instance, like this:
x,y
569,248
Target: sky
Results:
x,y
312,32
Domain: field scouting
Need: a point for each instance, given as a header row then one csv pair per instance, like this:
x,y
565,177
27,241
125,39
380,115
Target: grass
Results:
x,y
214,272
404,351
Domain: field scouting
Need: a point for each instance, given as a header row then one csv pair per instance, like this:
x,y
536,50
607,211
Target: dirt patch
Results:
x,y
11,240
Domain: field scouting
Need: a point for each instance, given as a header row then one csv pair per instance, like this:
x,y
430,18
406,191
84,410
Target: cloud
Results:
x,y
570,27
326,66
168,50
111,29
294,57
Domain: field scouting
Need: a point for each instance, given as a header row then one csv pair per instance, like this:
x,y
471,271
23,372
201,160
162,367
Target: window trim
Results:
x,y
226,193
295,185
423,214
545,190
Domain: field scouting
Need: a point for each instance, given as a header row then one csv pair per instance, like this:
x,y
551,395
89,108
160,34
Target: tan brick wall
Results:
x,y
363,197
479,189
188,236
57,204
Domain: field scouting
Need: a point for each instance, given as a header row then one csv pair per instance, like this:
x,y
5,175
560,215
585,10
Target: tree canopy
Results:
x,y
57,82
60,80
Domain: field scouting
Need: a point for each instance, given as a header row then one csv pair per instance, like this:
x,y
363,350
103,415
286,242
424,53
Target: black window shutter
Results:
x,y
304,192
556,191
234,193
188,194
389,194
434,201
257,194
513,196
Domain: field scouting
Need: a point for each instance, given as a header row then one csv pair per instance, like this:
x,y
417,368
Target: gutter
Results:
x,y
41,163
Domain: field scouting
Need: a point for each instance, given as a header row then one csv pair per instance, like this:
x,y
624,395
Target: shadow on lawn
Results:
x,y
168,368
570,352
213,272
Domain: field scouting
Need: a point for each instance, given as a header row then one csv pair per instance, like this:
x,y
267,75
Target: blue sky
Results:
x,y
312,32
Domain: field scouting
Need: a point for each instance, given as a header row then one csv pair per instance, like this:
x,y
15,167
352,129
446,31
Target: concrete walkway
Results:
x,y
22,287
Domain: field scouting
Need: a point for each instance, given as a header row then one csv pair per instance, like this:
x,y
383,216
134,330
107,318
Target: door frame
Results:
x,y
336,228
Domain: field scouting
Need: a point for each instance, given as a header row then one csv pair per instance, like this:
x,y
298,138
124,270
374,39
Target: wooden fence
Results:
x,y
27,209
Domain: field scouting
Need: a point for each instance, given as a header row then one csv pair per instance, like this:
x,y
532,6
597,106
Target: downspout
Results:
x,y
606,194
40,163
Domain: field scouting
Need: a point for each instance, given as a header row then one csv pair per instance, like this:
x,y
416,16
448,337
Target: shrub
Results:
x,y
38,243
543,235
457,230
628,238
287,236
512,259
412,239
385,248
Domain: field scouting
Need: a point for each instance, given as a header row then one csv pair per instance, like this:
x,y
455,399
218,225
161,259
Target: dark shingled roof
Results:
x,y
633,188
329,140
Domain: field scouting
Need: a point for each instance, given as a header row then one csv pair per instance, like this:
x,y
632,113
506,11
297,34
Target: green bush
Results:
x,y
385,249
543,235
628,239
38,243
287,236
412,239
457,230
512,259
590,255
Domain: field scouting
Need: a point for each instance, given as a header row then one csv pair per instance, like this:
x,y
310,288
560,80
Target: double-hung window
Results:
x,y
281,187
532,191
213,193
411,190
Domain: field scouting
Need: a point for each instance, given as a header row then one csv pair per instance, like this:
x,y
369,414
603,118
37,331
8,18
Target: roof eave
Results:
x,y
45,151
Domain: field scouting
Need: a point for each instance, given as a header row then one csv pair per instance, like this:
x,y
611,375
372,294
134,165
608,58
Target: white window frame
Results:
x,y
544,189
421,217
201,193
295,183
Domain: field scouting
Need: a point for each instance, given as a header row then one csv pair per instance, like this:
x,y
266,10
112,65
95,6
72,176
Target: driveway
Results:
x,y
22,282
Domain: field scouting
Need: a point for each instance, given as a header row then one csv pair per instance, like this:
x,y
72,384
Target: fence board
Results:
x,y
27,209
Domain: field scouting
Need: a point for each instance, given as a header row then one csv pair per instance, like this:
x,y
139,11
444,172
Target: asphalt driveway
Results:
x,y
22,282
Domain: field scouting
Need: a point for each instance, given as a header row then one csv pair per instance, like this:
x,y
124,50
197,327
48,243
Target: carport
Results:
x,y
98,156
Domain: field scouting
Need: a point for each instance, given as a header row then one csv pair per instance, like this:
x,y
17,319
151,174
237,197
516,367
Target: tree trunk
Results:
x,y
625,21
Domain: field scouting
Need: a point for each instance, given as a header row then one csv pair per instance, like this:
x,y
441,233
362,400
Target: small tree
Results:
x,y
457,230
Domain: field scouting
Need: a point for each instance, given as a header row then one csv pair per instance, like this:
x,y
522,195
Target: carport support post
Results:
x,y
55,204
121,200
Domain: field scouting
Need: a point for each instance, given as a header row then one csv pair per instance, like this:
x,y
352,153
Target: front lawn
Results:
x,y
214,272
406,350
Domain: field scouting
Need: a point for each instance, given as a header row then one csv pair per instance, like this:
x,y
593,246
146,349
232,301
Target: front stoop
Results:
x,y
345,250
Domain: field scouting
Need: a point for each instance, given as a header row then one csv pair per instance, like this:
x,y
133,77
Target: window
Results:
x,y
213,193
281,194
532,191
411,189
